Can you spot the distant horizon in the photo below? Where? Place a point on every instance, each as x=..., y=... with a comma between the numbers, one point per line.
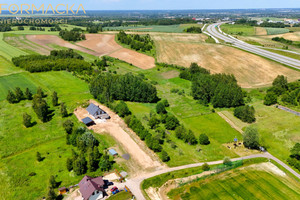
x=167, y=4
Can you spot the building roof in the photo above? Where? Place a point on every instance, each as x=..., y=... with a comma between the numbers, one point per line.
x=93, y=109
x=88, y=185
x=112, y=152
x=62, y=188
x=87, y=120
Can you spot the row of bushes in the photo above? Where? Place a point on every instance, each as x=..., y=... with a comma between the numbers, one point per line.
x=56, y=61
x=136, y=42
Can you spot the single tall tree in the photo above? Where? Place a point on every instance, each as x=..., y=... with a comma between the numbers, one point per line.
x=251, y=138
x=28, y=94
x=11, y=97
x=27, y=120
x=54, y=99
x=19, y=94
x=63, y=110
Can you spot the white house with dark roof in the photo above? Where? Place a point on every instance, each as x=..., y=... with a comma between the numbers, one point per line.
x=97, y=112
x=91, y=188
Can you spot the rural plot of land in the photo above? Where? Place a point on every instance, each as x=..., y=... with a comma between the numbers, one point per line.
x=97, y=45
x=45, y=40
x=257, y=181
x=143, y=158
x=250, y=70
x=105, y=44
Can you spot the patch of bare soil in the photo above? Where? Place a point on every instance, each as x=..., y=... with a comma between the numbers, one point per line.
x=260, y=31
x=170, y=74
x=105, y=44
x=250, y=70
x=142, y=158
x=21, y=43
x=161, y=193
x=45, y=40
x=289, y=36
x=137, y=59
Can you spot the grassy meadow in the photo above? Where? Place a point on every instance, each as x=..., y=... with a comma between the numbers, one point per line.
x=18, y=145
x=152, y=28
x=249, y=182
x=238, y=29
x=194, y=116
x=278, y=129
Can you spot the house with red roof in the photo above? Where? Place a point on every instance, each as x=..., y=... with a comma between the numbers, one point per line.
x=91, y=188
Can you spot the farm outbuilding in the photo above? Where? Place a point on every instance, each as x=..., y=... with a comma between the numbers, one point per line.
x=88, y=121
x=63, y=190
x=112, y=152
x=97, y=112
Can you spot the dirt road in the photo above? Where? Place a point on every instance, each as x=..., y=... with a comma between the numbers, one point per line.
x=142, y=158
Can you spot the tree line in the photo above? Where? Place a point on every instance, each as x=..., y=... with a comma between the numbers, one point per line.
x=285, y=41
x=264, y=24
x=136, y=42
x=193, y=29
x=56, y=61
x=89, y=157
x=294, y=159
x=221, y=90
x=281, y=90
x=72, y=35
x=107, y=87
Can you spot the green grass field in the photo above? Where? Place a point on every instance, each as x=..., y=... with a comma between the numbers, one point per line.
x=18, y=145
x=121, y=196
x=236, y=29
x=279, y=130
x=153, y=28
x=8, y=51
x=240, y=183
x=276, y=31
x=192, y=115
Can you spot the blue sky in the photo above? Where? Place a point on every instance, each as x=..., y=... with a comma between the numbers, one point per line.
x=165, y=4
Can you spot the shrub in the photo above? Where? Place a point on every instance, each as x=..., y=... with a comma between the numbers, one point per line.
x=171, y=122
x=203, y=139
x=160, y=108
x=164, y=156
x=245, y=113
x=27, y=120
x=227, y=161
x=251, y=138
x=270, y=99
x=205, y=167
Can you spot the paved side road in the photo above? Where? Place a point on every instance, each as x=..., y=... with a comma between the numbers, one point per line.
x=214, y=30
x=134, y=184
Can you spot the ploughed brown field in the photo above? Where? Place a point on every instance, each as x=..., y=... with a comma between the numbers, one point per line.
x=98, y=45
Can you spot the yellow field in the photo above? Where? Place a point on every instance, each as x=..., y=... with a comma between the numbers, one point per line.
x=250, y=70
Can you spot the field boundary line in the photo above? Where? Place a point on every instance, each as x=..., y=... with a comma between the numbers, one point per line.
x=231, y=123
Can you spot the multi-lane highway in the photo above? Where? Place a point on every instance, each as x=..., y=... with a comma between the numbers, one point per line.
x=214, y=30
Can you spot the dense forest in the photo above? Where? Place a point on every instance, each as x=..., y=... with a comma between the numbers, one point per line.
x=221, y=90
x=136, y=42
x=108, y=87
x=56, y=61
x=73, y=35
x=288, y=93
